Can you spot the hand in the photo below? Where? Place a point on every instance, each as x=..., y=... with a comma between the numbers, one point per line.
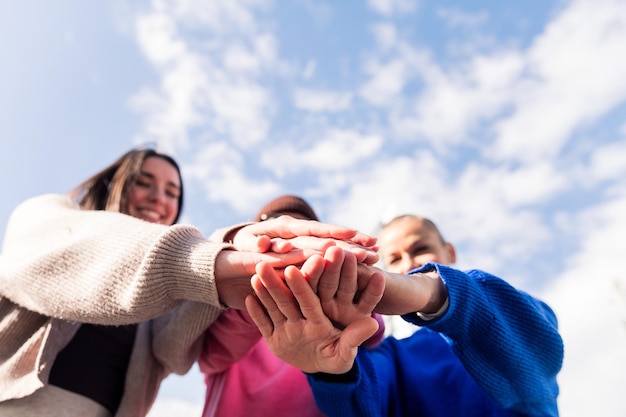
x=233, y=270
x=290, y=318
x=285, y=233
x=338, y=290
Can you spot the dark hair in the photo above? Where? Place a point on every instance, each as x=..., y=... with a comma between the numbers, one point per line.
x=106, y=190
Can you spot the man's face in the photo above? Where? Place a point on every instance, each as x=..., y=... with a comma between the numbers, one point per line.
x=410, y=243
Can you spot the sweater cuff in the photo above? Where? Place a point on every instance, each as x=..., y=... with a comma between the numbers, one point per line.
x=351, y=376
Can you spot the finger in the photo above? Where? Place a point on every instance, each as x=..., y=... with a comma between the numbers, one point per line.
x=259, y=316
x=347, y=281
x=288, y=227
x=312, y=270
x=281, y=260
x=366, y=255
x=309, y=303
x=281, y=245
x=372, y=294
x=268, y=303
x=364, y=240
x=312, y=242
x=357, y=333
x=329, y=281
x=278, y=290
x=254, y=244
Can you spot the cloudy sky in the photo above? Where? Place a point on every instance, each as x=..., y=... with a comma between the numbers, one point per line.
x=504, y=123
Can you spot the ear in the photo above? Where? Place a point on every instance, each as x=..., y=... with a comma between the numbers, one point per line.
x=451, y=253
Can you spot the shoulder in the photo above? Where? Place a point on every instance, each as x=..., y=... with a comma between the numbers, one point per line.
x=47, y=201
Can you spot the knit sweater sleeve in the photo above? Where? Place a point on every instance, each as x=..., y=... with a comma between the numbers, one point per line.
x=507, y=340
x=102, y=267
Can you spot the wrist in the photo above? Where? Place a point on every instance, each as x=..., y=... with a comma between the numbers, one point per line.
x=232, y=280
x=439, y=295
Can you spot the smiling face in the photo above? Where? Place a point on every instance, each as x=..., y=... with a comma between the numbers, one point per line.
x=410, y=242
x=154, y=193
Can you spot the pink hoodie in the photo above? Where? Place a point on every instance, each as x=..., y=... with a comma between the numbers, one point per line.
x=244, y=377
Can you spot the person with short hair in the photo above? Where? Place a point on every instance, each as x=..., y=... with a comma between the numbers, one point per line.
x=484, y=348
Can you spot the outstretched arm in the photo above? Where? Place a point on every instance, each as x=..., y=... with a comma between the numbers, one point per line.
x=290, y=317
x=286, y=233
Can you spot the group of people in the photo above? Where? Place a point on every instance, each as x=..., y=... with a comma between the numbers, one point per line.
x=103, y=295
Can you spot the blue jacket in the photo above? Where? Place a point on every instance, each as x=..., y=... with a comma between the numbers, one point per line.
x=496, y=351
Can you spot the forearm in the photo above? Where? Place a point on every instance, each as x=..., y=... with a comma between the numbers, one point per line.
x=419, y=292
x=102, y=267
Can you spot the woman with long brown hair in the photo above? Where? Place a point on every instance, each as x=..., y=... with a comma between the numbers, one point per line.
x=102, y=295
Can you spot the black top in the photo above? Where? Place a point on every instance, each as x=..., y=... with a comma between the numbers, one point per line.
x=94, y=363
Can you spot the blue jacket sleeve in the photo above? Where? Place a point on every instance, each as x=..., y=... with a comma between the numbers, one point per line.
x=507, y=340
x=496, y=351
x=349, y=394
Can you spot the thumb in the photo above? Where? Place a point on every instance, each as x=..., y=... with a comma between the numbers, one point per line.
x=358, y=332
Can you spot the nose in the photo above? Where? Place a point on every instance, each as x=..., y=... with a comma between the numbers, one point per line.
x=157, y=194
x=409, y=263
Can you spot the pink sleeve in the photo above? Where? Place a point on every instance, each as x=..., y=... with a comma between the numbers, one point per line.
x=227, y=340
x=377, y=337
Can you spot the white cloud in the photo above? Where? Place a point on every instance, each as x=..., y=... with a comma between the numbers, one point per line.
x=337, y=149
x=158, y=36
x=532, y=99
x=456, y=17
x=386, y=83
x=575, y=73
x=385, y=35
x=220, y=170
x=493, y=213
x=528, y=185
x=386, y=187
x=321, y=11
x=608, y=162
x=449, y=103
x=213, y=86
x=322, y=100
x=390, y=7
x=453, y=104
x=590, y=302
x=220, y=16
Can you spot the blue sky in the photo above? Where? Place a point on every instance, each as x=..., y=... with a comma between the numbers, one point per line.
x=502, y=121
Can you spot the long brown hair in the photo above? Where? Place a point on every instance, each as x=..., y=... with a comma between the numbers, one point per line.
x=106, y=190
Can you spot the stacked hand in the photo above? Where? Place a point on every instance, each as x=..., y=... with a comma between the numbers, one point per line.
x=316, y=333
x=285, y=234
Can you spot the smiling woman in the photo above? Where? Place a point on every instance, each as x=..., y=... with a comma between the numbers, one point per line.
x=155, y=192
x=143, y=183
x=102, y=296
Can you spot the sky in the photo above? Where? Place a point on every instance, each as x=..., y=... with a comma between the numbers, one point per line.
x=504, y=122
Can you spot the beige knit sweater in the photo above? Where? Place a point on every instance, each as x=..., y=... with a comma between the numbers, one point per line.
x=61, y=266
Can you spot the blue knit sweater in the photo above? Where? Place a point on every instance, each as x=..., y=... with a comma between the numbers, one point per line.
x=495, y=352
